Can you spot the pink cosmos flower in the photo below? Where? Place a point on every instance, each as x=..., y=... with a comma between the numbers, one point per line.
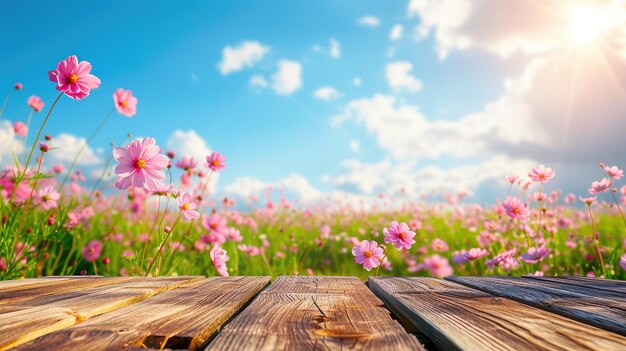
x=219, y=258
x=476, y=253
x=48, y=197
x=187, y=206
x=20, y=129
x=511, y=179
x=600, y=186
x=140, y=164
x=92, y=251
x=368, y=254
x=399, y=235
x=541, y=174
x=215, y=223
x=588, y=200
x=516, y=209
x=35, y=103
x=439, y=245
x=187, y=163
x=216, y=161
x=125, y=102
x=438, y=266
x=622, y=262
x=614, y=172
x=74, y=78
x=74, y=219
x=535, y=255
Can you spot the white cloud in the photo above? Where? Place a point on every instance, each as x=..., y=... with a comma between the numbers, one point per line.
x=244, y=55
x=326, y=93
x=369, y=20
x=10, y=144
x=294, y=186
x=335, y=48
x=399, y=77
x=258, y=80
x=67, y=146
x=288, y=78
x=355, y=145
x=357, y=81
x=188, y=143
x=396, y=32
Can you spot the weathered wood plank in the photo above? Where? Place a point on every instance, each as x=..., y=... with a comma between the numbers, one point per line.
x=25, y=324
x=183, y=318
x=616, y=286
x=604, y=311
x=455, y=317
x=7, y=284
x=314, y=313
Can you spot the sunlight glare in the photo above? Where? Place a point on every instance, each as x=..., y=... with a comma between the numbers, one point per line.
x=587, y=22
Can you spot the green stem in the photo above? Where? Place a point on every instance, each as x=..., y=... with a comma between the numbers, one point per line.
x=595, y=241
x=156, y=257
x=380, y=263
x=30, y=116
x=32, y=149
x=145, y=246
x=6, y=100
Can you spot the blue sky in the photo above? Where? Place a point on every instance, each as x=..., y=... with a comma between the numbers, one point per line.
x=169, y=55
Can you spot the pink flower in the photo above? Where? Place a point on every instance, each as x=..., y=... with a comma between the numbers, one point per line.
x=535, y=255
x=73, y=78
x=74, y=219
x=48, y=197
x=368, y=254
x=187, y=206
x=20, y=129
x=601, y=186
x=35, y=103
x=140, y=164
x=541, y=174
x=476, y=253
x=614, y=172
x=125, y=102
x=92, y=251
x=516, y=209
x=511, y=179
x=18, y=86
x=622, y=262
x=215, y=223
x=588, y=200
x=187, y=163
x=438, y=266
x=399, y=235
x=219, y=258
x=216, y=162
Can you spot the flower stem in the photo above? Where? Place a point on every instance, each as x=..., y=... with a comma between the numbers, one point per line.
x=32, y=149
x=380, y=263
x=6, y=100
x=145, y=246
x=267, y=263
x=618, y=207
x=30, y=116
x=156, y=257
x=595, y=241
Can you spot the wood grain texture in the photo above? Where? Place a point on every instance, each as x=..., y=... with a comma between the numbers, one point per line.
x=314, y=313
x=27, y=323
x=616, y=286
x=183, y=318
x=605, y=309
x=455, y=317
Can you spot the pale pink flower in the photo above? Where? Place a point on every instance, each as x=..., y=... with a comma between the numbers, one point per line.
x=140, y=164
x=438, y=266
x=20, y=129
x=74, y=78
x=516, y=209
x=439, y=245
x=187, y=163
x=535, y=255
x=125, y=102
x=35, y=103
x=187, y=206
x=215, y=224
x=73, y=220
x=541, y=174
x=600, y=186
x=368, y=254
x=476, y=253
x=399, y=235
x=511, y=179
x=588, y=200
x=622, y=262
x=614, y=172
x=216, y=161
x=92, y=251
x=219, y=257
x=48, y=197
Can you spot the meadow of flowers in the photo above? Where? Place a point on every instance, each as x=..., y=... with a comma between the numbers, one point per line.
x=148, y=223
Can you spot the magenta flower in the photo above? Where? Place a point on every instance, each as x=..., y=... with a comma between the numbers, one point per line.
x=125, y=102
x=20, y=129
x=215, y=223
x=216, y=162
x=399, y=235
x=48, y=197
x=18, y=86
x=187, y=206
x=219, y=257
x=535, y=255
x=516, y=209
x=614, y=172
x=74, y=78
x=541, y=174
x=438, y=266
x=187, y=163
x=35, y=103
x=622, y=262
x=140, y=164
x=476, y=253
x=600, y=186
x=92, y=251
x=368, y=254
x=588, y=200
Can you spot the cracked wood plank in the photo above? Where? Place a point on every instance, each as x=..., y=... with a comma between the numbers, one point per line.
x=314, y=313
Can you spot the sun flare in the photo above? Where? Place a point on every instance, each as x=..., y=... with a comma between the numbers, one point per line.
x=587, y=22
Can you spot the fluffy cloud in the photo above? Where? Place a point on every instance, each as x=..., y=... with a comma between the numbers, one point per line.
x=10, y=144
x=326, y=93
x=335, y=48
x=67, y=146
x=295, y=186
x=396, y=32
x=369, y=20
x=188, y=143
x=399, y=77
x=258, y=80
x=244, y=55
x=288, y=78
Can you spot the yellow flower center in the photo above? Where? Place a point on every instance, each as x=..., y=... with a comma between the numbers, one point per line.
x=123, y=103
x=141, y=163
x=367, y=254
x=185, y=207
x=216, y=162
x=45, y=198
x=73, y=78
x=516, y=211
